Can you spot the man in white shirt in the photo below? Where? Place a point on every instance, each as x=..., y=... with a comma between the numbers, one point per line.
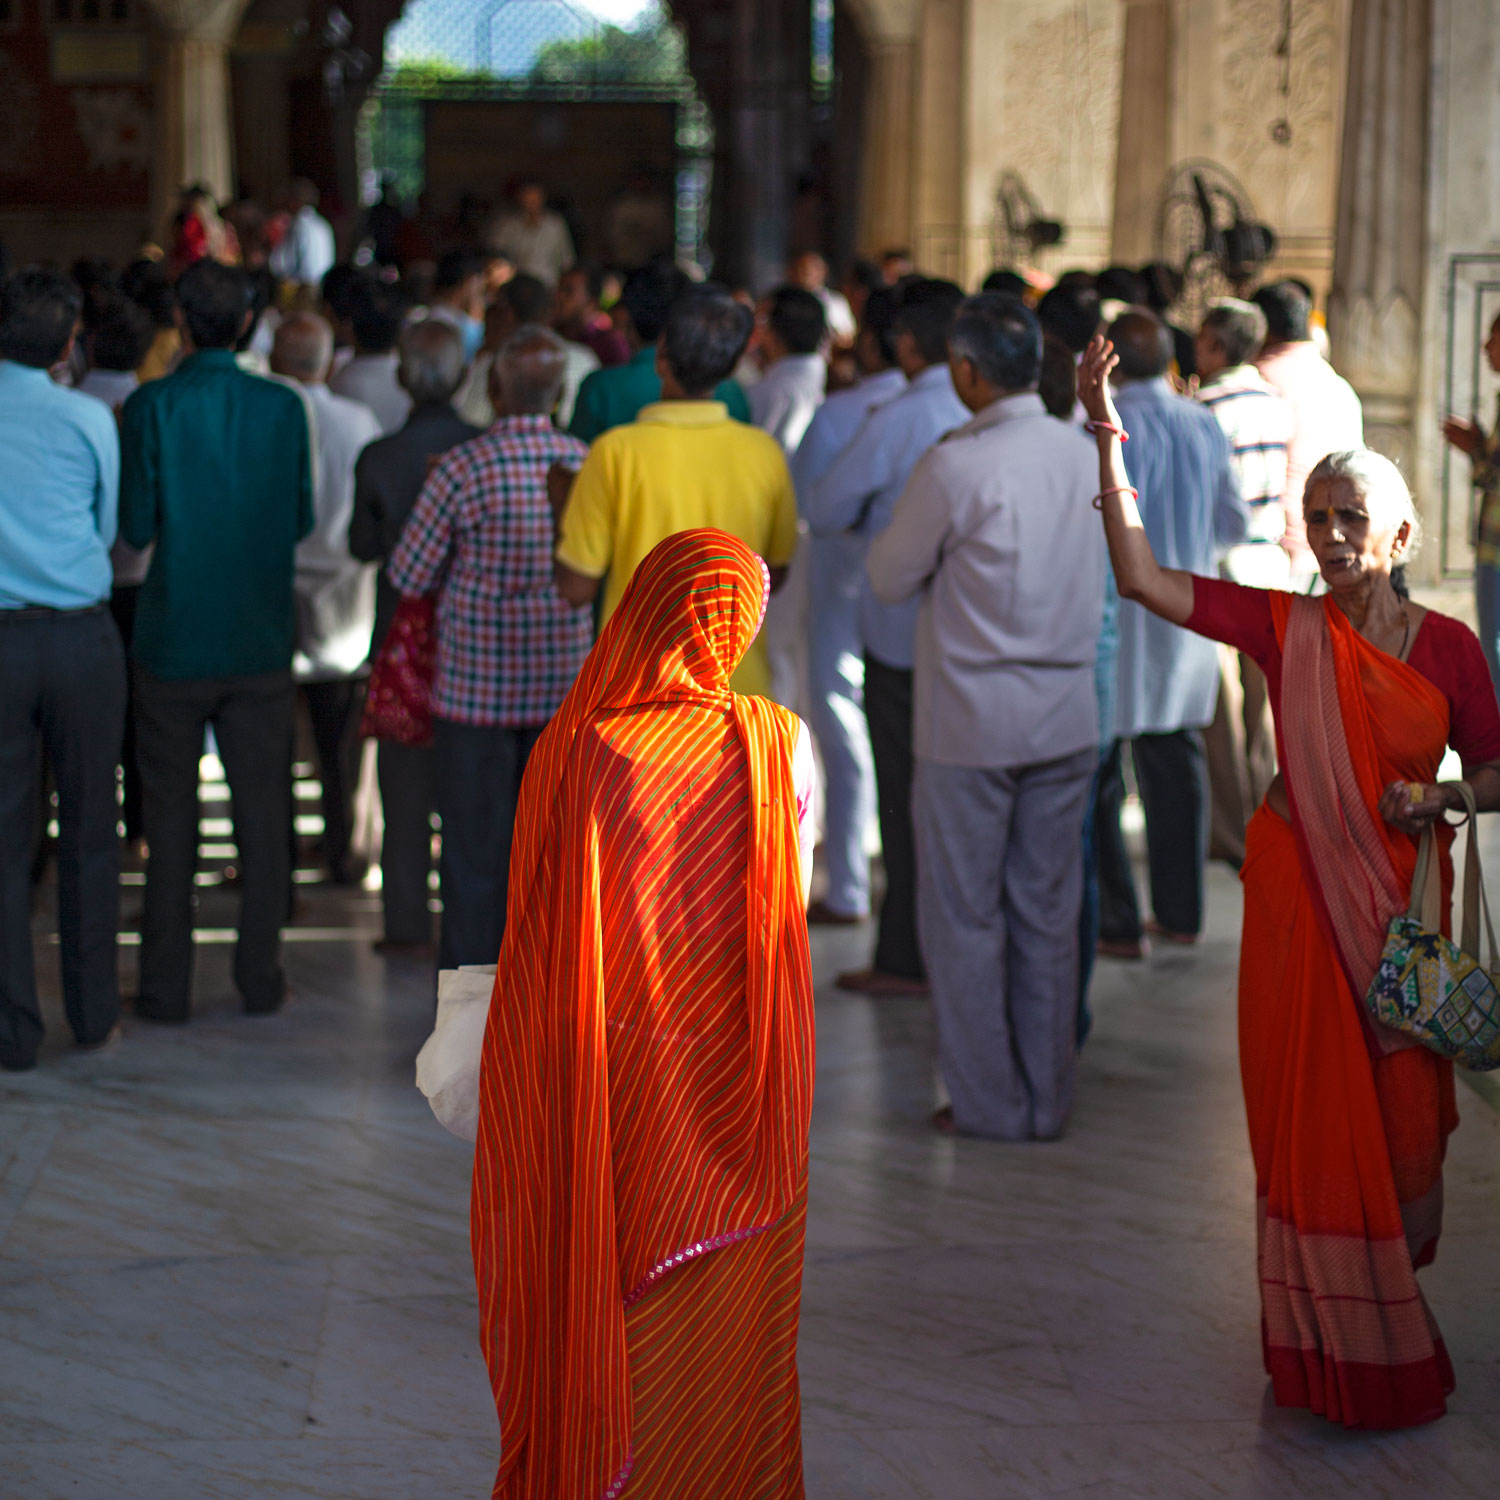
x=334, y=591
x=859, y=493
x=835, y=569
x=377, y=314
x=782, y=403
x=996, y=534
x=810, y=271
x=785, y=398
x=1241, y=742
x=535, y=239
x=1326, y=412
x=306, y=252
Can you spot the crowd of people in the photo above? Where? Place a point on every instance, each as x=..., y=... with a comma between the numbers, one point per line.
x=647, y=506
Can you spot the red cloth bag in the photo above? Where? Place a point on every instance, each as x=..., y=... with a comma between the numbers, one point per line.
x=398, y=700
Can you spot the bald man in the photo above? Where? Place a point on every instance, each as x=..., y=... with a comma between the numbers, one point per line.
x=509, y=645
x=1167, y=678
x=335, y=591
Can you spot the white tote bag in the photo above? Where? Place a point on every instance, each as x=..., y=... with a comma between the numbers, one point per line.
x=448, y=1064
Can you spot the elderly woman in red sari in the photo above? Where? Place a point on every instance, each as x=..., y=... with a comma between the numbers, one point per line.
x=640, y=1178
x=1348, y=1120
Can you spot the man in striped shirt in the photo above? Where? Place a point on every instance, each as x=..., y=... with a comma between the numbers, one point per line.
x=1240, y=743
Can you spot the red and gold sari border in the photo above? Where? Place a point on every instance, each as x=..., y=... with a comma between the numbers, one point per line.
x=691, y=1253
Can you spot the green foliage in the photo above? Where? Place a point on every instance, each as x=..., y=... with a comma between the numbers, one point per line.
x=652, y=53
x=419, y=74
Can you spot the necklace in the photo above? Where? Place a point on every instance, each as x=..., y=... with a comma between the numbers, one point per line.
x=1405, y=633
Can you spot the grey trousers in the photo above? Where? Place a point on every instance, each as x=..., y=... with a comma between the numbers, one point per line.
x=999, y=887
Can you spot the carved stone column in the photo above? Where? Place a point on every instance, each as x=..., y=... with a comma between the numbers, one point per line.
x=194, y=140
x=1145, y=149
x=885, y=218
x=1379, y=258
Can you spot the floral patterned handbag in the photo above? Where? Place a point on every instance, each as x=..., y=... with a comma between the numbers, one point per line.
x=1434, y=991
x=398, y=700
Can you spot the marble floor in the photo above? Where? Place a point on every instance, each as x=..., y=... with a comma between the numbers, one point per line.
x=234, y=1261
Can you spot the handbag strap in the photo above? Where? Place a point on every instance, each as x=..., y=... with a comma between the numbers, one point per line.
x=1476, y=900
x=1475, y=897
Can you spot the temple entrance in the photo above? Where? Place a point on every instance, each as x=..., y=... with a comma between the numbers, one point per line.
x=595, y=101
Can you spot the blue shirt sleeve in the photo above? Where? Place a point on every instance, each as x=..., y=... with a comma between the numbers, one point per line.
x=839, y=501
x=104, y=438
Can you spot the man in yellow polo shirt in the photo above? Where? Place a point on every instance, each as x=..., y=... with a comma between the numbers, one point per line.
x=682, y=463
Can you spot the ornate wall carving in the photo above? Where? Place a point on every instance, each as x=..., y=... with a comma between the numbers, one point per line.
x=1044, y=88
x=1283, y=145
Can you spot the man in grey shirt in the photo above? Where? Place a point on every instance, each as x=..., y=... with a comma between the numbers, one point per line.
x=996, y=534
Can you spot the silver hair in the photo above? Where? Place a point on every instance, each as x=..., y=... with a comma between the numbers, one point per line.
x=431, y=361
x=529, y=369
x=1375, y=478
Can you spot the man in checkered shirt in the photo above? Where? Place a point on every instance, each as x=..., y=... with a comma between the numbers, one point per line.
x=1257, y=420
x=481, y=538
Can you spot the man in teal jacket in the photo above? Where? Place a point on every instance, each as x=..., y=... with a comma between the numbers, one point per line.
x=217, y=475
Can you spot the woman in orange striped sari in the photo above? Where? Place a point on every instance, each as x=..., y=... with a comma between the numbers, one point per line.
x=1348, y=1121
x=640, y=1176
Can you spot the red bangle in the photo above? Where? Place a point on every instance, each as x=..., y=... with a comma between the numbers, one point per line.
x=1116, y=489
x=1098, y=427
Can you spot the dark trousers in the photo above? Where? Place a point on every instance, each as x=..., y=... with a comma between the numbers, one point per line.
x=888, y=708
x=1173, y=782
x=122, y=606
x=406, y=802
x=334, y=708
x=62, y=687
x=252, y=723
x=479, y=768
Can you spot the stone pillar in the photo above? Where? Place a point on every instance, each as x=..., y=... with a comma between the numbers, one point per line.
x=885, y=218
x=938, y=140
x=1145, y=141
x=194, y=140
x=1379, y=257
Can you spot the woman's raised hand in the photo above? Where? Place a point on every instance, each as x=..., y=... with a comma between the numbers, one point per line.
x=1093, y=381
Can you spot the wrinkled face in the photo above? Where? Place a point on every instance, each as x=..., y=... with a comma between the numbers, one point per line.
x=1353, y=538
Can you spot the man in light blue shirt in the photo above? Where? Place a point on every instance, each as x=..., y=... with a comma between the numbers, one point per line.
x=859, y=494
x=1167, y=679
x=836, y=570
x=62, y=668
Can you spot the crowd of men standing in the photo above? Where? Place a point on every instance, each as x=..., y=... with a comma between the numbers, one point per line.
x=245, y=480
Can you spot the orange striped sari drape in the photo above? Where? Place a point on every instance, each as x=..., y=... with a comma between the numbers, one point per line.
x=646, y=1084
x=1348, y=1127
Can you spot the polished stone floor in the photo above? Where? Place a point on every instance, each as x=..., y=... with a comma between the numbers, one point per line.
x=234, y=1261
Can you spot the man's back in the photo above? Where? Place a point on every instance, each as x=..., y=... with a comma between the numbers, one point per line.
x=1326, y=418
x=1179, y=460
x=680, y=465
x=57, y=492
x=1178, y=457
x=997, y=520
x=388, y=477
x=217, y=472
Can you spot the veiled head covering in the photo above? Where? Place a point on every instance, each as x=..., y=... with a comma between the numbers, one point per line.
x=692, y=1098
